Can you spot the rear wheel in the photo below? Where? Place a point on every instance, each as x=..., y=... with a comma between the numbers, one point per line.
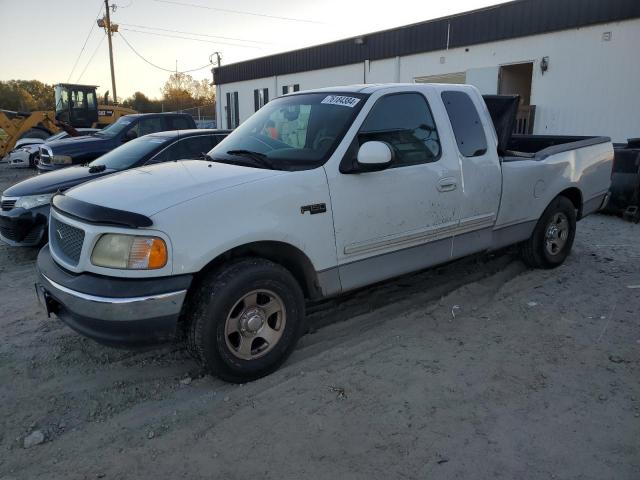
x=245, y=319
x=552, y=239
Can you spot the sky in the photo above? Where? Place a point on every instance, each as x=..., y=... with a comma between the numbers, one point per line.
x=43, y=39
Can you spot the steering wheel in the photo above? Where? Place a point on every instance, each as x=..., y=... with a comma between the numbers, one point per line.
x=271, y=143
x=317, y=143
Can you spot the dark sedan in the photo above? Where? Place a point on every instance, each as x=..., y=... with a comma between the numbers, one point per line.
x=24, y=211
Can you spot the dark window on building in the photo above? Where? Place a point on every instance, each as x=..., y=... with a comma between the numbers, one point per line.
x=233, y=110
x=466, y=123
x=260, y=98
x=290, y=88
x=404, y=121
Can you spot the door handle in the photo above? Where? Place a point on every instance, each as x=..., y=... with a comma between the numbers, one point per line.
x=447, y=184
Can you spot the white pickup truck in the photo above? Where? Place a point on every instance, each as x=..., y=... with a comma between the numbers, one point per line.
x=318, y=193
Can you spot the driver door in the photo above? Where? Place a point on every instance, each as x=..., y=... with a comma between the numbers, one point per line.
x=401, y=219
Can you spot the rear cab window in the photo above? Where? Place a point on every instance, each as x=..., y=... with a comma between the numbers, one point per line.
x=179, y=123
x=148, y=125
x=465, y=121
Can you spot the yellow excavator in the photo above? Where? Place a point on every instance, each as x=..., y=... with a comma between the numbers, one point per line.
x=76, y=107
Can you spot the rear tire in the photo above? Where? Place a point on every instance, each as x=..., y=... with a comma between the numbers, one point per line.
x=245, y=319
x=552, y=239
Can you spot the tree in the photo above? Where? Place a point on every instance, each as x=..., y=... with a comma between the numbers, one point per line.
x=26, y=95
x=143, y=104
x=203, y=92
x=181, y=92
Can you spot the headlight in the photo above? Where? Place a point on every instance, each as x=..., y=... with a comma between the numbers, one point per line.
x=130, y=252
x=62, y=160
x=32, y=201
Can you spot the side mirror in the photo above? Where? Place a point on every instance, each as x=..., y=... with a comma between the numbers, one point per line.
x=130, y=135
x=374, y=156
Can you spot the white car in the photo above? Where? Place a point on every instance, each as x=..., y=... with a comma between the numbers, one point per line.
x=318, y=193
x=26, y=150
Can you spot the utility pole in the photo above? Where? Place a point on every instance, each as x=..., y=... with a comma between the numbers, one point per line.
x=218, y=109
x=109, y=34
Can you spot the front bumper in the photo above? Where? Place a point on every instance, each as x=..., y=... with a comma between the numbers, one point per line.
x=18, y=159
x=49, y=167
x=113, y=311
x=24, y=228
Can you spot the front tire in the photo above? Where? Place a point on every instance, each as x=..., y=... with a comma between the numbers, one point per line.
x=552, y=239
x=245, y=319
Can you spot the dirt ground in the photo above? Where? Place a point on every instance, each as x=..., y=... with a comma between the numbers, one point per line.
x=479, y=369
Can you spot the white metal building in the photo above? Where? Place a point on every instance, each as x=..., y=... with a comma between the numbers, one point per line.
x=575, y=64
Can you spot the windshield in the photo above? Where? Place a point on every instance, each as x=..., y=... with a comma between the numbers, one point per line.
x=130, y=153
x=293, y=132
x=115, y=128
x=58, y=136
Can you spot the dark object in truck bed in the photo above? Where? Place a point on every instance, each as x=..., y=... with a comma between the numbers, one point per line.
x=625, y=178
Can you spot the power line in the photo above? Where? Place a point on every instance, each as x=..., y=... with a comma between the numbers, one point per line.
x=90, y=59
x=239, y=12
x=93, y=25
x=192, y=33
x=156, y=66
x=189, y=38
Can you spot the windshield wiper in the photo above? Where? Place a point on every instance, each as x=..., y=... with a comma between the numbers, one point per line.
x=97, y=168
x=259, y=158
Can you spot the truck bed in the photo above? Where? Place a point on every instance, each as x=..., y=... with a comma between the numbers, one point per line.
x=540, y=147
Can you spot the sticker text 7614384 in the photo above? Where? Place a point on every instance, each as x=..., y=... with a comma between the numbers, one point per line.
x=340, y=100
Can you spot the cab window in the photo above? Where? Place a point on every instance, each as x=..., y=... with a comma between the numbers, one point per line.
x=466, y=124
x=91, y=99
x=146, y=126
x=404, y=121
x=178, y=123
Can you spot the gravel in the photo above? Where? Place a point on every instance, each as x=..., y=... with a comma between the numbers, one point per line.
x=394, y=386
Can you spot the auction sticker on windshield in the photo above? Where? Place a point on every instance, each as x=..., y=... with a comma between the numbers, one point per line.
x=341, y=100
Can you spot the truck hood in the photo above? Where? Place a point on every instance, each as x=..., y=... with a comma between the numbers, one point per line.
x=23, y=142
x=151, y=189
x=51, y=182
x=72, y=145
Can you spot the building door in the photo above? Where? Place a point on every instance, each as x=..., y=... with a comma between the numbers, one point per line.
x=516, y=79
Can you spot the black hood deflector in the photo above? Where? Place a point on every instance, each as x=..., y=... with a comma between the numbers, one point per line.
x=98, y=214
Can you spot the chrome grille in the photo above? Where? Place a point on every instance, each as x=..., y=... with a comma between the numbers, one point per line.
x=66, y=241
x=8, y=230
x=8, y=203
x=45, y=156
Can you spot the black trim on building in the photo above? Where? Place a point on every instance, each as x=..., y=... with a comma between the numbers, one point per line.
x=515, y=19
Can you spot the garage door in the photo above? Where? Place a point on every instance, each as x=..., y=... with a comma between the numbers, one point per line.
x=457, y=78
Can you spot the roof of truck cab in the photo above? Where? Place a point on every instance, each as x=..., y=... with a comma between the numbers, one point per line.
x=157, y=114
x=371, y=88
x=188, y=132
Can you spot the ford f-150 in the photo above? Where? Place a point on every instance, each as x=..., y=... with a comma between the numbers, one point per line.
x=318, y=193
